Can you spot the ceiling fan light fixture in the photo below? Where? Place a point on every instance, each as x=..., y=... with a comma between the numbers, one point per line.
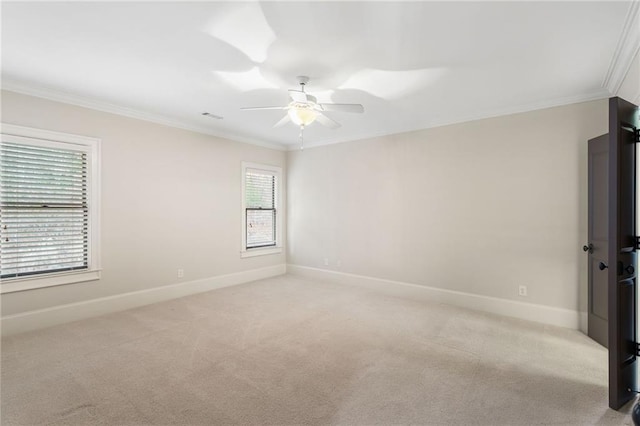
x=304, y=109
x=302, y=115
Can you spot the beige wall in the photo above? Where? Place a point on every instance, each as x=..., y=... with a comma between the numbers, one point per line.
x=479, y=207
x=170, y=199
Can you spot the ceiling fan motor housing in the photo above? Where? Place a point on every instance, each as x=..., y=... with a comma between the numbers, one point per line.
x=302, y=80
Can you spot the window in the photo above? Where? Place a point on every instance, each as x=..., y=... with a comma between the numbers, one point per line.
x=48, y=208
x=261, y=228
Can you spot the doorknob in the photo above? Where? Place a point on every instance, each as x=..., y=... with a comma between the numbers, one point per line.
x=602, y=266
x=588, y=248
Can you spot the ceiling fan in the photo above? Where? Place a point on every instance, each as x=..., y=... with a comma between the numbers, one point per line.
x=303, y=109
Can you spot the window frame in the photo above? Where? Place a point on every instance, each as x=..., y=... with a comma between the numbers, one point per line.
x=260, y=251
x=91, y=146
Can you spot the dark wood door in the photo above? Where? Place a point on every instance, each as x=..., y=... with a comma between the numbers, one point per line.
x=598, y=246
x=623, y=365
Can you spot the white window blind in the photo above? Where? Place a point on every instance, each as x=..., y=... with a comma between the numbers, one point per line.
x=44, y=210
x=260, y=208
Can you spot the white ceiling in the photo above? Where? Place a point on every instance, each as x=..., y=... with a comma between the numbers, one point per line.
x=412, y=65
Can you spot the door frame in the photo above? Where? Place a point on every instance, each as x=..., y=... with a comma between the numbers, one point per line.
x=623, y=360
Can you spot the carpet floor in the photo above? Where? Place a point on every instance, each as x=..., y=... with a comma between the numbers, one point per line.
x=289, y=350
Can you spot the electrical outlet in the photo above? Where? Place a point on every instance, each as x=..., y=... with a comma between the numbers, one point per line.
x=522, y=290
x=339, y=263
x=180, y=273
x=326, y=261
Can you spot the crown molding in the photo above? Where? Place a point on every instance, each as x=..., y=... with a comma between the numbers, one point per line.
x=91, y=103
x=492, y=113
x=94, y=104
x=626, y=50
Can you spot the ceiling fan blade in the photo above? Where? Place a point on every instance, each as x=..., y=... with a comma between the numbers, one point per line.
x=264, y=107
x=343, y=107
x=326, y=121
x=283, y=121
x=297, y=95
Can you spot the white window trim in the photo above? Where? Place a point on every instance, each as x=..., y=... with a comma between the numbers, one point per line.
x=47, y=138
x=260, y=251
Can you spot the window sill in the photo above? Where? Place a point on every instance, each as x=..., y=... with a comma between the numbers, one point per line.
x=10, y=285
x=260, y=251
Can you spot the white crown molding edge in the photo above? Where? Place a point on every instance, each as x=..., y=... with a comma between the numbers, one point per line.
x=510, y=308
x=59, y=96
x=48, y=317
x=627, y=48
x=500, y=112
x=90, y=103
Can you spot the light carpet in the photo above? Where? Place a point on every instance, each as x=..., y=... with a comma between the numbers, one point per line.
x=289, y=350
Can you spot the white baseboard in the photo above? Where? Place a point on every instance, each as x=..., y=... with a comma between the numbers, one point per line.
x=511, y=308
x=33, y=320
x=583, y=322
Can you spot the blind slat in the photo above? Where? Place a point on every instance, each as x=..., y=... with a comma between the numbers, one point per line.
x=44, y=177
x=54, y=263
x=20, y=163
x=40, y=159
x=21, y=261
x=75, y=248
x=29, y=197
x=38, y=150
x=44, y=184
x=8, y=241
x=22, y=187
x=50, y=225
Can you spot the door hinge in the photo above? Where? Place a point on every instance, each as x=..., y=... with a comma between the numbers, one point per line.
x=636, y=132
x=637, y=349
x=637, y=243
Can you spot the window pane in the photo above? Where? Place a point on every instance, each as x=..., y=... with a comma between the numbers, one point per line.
x=260, y=190
x=260, y=202
x=44, y=216
x=261, y=228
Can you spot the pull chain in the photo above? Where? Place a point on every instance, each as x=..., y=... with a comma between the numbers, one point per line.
x=301, y=137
